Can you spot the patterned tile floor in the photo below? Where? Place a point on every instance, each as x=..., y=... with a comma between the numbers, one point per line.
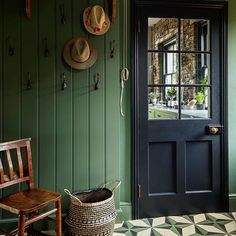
x=213, y=224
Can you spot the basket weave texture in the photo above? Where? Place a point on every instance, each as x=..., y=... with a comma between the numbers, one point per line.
x=93, y=215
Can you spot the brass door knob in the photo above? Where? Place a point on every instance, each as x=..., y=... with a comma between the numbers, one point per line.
x=213, y=130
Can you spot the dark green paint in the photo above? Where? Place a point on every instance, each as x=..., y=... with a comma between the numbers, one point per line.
x=232, y=103
x=76, y=132
x=63, y=104
x=47, y=94
x=29, y=76
x=80, y=111
x=97, y=112
x=1, y=78
x=12, y=97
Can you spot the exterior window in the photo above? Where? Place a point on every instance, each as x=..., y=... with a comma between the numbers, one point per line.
x=169, y=64
x=179, y=72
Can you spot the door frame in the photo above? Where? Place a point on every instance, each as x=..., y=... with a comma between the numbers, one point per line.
x=210, y=4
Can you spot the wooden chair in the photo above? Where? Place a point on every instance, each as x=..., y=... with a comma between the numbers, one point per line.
x=25, y=203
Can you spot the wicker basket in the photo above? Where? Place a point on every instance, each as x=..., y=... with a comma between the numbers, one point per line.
x=92, y=213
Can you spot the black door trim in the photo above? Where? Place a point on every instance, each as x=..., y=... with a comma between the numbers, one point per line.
x=135, y=24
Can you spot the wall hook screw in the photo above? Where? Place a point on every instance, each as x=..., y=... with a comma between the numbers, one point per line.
x=97, y=81
x=28, y=84
x=64, y=83
x=11, y=49
x=112, y=48
x=62, y=12
x=45, y=46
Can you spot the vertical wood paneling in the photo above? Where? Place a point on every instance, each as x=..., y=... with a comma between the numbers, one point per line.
x=12, y=71
x=112, y=104
x=11, y=77
x=63, y=101
x=81, y=92
x=1, y=79
x=29, y=73
x=75, y=132
x=46, y=11
x=97, y=112
x=125, y=124
x=1, y=70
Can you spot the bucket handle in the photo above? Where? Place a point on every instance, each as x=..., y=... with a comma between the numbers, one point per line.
x=72, y=196
x=118, y=182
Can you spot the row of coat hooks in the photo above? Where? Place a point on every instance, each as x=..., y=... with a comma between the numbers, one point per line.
x=46, y=50
x=96, y=78
x=112, y=6
x=11, y=47
x=64, y=81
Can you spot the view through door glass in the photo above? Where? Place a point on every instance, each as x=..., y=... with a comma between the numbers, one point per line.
x=179, y=78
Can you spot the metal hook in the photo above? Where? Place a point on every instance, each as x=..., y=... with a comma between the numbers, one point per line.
x=112, y=48
x=64, y=83
x=97, y=81
x=11, y=49
x=28, y=84
x=62, y=12
x=45, y=46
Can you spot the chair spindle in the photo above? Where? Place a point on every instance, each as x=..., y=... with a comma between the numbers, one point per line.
x=10, y=165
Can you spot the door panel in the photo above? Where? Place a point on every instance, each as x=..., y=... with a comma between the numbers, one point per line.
x=156, y=153
x=199, y=158
x=179, y=77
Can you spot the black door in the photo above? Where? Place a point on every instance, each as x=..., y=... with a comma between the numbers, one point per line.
x=180, y=110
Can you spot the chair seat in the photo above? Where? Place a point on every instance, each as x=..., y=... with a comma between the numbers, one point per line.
x=28, y=201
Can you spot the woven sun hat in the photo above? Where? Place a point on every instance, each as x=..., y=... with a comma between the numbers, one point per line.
x=96, y=21
x=79, y=53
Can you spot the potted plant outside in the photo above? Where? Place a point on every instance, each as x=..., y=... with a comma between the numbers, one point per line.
x=200, y=97
x=152, y=98
x=171, y=92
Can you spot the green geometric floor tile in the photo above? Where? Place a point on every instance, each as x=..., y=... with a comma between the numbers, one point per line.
x=210, y=224
x=230, y=227
x=165, y=232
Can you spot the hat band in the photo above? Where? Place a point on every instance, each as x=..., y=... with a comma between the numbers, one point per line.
x=79, y=60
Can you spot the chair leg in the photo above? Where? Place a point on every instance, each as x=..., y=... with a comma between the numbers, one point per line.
x=58, y=218
x=21, y=225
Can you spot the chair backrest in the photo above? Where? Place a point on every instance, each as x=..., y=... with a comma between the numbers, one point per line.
x=19, y=150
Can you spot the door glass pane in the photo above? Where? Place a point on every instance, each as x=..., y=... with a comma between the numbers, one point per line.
x=163, y=68
x=195, y=35
x=196, y=103
x=195, y=68
x=161, y=33
x=163, y=103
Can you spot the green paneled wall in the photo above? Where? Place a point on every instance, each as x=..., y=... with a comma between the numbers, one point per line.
x=232, y=103
x=79, y=139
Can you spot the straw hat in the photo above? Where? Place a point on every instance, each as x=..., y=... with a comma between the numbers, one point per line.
x=96, y=21
x=192, y=102
x=79, y=53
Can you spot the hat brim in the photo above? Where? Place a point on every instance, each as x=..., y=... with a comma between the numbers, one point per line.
x=89, y=28
x=77, y=65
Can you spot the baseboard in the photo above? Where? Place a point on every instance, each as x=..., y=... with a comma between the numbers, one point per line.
x=126, y=208
x=232, y=202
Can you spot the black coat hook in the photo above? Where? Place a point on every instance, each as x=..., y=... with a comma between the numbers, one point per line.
x=62, y=13
x=112, y=48
x=45, y=47
x=28, y=84
x=11, y=48
x=97, y=81
x=64, y=83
